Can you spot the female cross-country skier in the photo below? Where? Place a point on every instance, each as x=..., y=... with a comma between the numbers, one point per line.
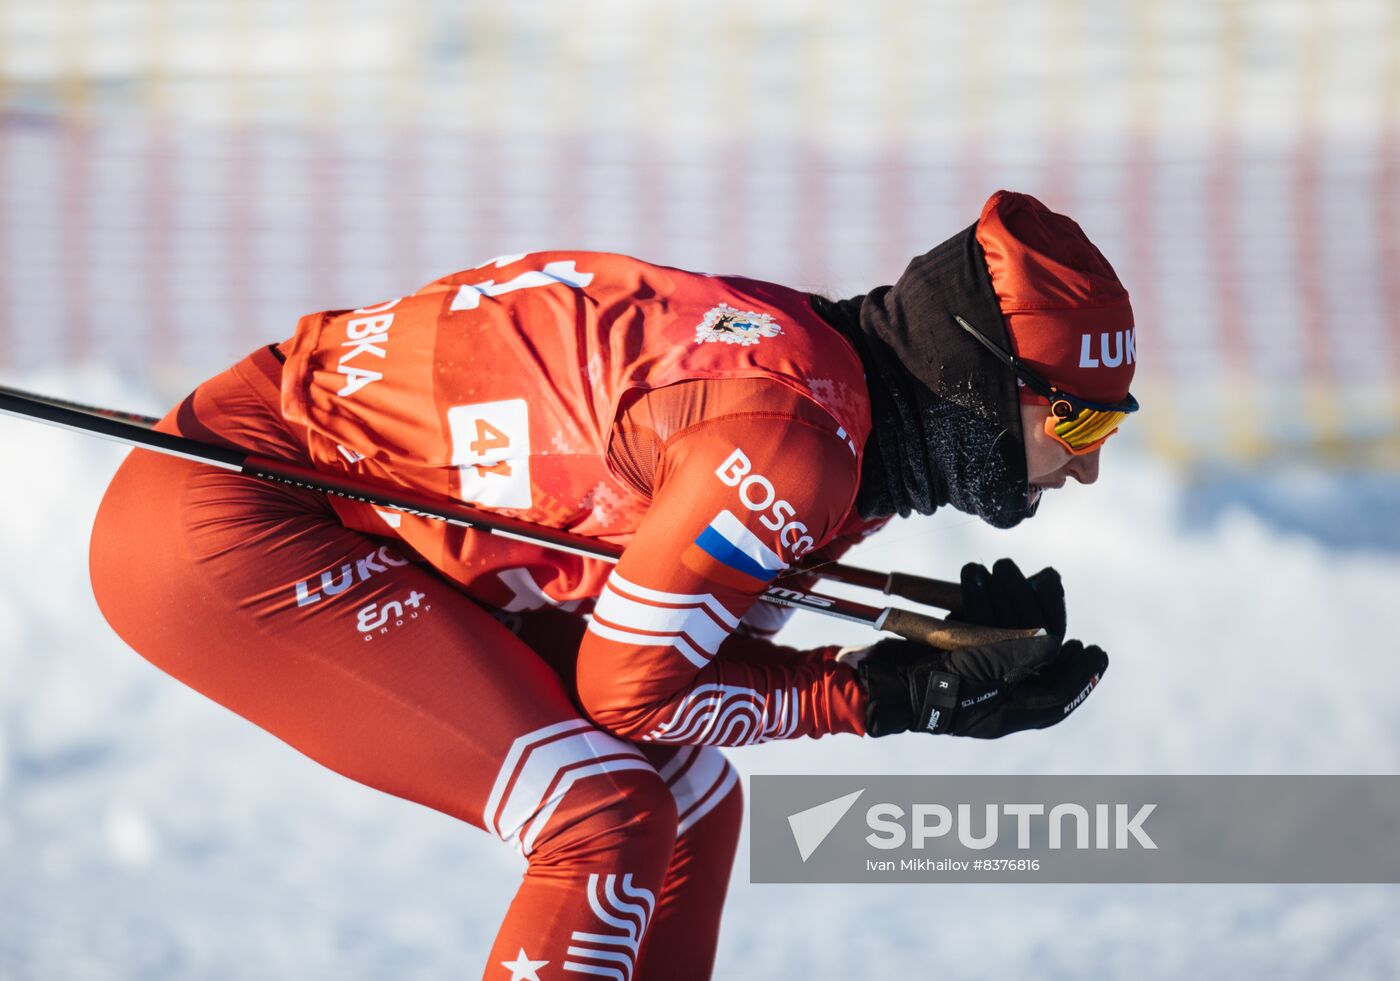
x=721, y=429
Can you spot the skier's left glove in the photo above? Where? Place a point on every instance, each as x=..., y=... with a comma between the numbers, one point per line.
x=986, y=692
x=1004, y=596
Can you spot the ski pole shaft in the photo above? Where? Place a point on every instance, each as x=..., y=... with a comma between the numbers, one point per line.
x=111, y=425
x=930, y=592
x=134, y=418
x=54, y=413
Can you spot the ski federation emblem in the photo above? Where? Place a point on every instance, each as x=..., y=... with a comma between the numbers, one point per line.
x=731, y=326
x=728, y=553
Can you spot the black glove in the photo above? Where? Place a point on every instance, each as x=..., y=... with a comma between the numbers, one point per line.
x=985, y=692
x=1004, y=597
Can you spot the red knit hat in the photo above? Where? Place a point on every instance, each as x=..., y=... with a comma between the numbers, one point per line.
x=1065, y=311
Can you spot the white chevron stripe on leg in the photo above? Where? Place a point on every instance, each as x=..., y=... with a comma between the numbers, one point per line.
x=699, y=777
x=539, y=770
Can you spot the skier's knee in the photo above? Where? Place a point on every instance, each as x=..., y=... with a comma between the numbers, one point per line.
x=585, y=798
x=629, y=820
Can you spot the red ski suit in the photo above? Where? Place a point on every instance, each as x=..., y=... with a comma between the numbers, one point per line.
x=712, y=425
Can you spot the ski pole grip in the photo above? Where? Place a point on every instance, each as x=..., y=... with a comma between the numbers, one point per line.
x=930, y=592
x=942, y=634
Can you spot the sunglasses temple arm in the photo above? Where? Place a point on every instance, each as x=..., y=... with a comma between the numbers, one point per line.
x=1032, y=380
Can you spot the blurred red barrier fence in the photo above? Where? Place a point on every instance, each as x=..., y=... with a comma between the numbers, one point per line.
x=179, y=182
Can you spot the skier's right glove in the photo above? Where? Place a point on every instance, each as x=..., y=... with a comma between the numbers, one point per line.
x=985, y=692
x=1003, y=596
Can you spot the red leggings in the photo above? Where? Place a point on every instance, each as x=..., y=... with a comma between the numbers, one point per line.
x=258, y=597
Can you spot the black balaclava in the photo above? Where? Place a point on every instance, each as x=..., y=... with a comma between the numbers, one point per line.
x=945, y=415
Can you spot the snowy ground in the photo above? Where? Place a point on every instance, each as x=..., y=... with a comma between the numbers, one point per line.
x=145, y=832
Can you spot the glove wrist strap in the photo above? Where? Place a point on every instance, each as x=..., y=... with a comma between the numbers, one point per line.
x=940, y=698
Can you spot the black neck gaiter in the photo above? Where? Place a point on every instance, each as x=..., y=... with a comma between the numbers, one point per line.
x=945, y=416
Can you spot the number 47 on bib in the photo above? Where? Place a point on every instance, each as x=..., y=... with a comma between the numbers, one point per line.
x=491, y=449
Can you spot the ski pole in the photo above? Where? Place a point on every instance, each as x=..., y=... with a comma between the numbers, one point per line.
x=929, y=592
x=920, y=589
x=135, y=418
x=115, y=426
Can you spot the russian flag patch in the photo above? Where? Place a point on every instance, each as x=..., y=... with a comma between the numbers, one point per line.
x=729, y=553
